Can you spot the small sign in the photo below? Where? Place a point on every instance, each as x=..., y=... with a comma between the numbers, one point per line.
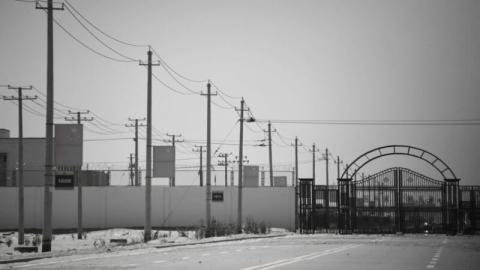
x=217, y=196
x=164, y=161
x=64, y=181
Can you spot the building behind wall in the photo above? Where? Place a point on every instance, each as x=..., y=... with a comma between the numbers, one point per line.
x=34, y=163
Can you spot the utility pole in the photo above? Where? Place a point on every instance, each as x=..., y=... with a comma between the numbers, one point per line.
x=21, y=207
x=136, y=125
x=338, y=162
x=296, y=145
x=313, y=184
x=131, y=169
x=173, y=141
x=293, y=176
x=49, y=124
x=313, y=150
x=297, y=190
x=79, y=120
x=270, y=151
x=326, y=167
x=199, y=148
x=79, y=117
x=225, y=164
x=148, y=176
x=240, y=167
x=327, y=192
x=209, y=157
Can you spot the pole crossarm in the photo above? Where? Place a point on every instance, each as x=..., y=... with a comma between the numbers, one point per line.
x=78, y=118
x=54, y=6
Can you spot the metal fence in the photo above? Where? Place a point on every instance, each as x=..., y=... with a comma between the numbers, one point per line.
x=394, y=200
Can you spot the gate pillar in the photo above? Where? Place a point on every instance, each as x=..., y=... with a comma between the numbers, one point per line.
x=344, y=203
x=451, y=204
x=306, y=205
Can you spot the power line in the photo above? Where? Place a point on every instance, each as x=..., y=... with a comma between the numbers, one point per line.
x=86, y=46
x=97, y=38
x=219, y=90
x=453, y=122
x=220, y=106
x=105, y=120
x=173, y=70
x=101, y=31
x=181, y=84
x=226, y=137
x=56, y=102
x=169, y=87
x=226, y=101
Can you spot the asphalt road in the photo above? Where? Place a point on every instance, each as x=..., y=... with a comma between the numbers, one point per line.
x=322, y=251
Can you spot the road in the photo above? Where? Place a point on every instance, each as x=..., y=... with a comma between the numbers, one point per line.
x=320, y=251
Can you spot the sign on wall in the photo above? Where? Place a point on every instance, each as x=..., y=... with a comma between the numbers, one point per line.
x=250, y=175
x=279, y=181
x=64, y=181
x=217, y=196
x=164, y=161
x=68, y=145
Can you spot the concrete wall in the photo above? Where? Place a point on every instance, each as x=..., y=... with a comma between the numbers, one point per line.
x=107, y=207
x=33, y=157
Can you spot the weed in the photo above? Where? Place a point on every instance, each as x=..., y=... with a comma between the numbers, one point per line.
x=256, y=228
x=37, y=240
x=99, y=243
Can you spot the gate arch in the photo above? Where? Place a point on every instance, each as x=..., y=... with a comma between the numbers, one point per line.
x=405, y=150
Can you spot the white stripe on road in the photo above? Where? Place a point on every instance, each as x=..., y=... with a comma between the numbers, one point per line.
x=159, y=261
x=128, y=265
x=306, y=257
x=436, y=256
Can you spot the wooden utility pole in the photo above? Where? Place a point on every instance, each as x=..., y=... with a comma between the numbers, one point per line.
x=136, y=125
x=225, y=164
x=49, y=124
x=21, y=201
x=148, y=175
x=79, y=120
x=326, y=168
x=297, y=190
x=209, y=157
x=173, y=141
x=313, y=150
x=199, y=148
x=313, y=182
x=240, y=167
x=270, y=164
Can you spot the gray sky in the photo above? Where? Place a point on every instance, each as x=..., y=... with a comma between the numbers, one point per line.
x=326, y=60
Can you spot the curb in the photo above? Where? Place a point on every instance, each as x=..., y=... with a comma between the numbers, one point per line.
x=57, y=255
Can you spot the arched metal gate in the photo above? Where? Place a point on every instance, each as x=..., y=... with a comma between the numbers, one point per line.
x=390, y=201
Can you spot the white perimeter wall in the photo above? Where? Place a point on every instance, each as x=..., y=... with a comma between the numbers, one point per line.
x=108, y=207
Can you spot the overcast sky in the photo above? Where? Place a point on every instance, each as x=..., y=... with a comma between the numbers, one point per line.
x=323, y=60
